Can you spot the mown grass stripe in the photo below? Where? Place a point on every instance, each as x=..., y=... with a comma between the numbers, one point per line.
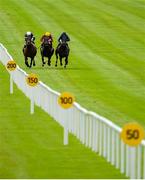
x=101, y=70
x=31, y=147
x=130, y=20
x=133, y=7
x=109, y=36
x=105, y=73
x=84, y=56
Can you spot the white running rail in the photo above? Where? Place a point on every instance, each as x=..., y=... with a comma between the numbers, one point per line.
x=94, y=131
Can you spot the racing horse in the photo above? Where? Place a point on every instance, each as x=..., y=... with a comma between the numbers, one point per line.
x=62, y=51
x=46, y=50
x=30, y=51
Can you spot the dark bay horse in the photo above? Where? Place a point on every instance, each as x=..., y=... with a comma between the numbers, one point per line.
x=30, y=51
x=63, y=51
x=46, y=50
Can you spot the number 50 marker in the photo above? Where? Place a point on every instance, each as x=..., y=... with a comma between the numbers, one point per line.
x=132, y=134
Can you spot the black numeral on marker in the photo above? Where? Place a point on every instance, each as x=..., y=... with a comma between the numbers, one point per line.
x=132, y=134
x=11, y=65
x=32, y=80
x=65, y=100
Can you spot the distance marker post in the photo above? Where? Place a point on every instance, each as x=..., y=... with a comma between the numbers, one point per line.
x=11, y=66
x=132, y=134
x=32, y=81
x=66, y=100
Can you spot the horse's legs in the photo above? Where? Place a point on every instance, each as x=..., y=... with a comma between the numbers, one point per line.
x=56, y=58
x=49, y=57
x=60, y=58
x=43, y=62
x=66, y=61
x=34, y=62
x=49, y=61
x=56, y=62
x=26, y=61
x=31, y=62
x=41, y=51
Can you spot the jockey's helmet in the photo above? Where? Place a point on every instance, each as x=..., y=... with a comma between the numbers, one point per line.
x=28, y=33
x=47, y=34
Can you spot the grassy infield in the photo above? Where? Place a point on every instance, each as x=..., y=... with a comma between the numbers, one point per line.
x=105, y=73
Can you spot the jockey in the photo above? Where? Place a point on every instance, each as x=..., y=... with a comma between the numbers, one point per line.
x=46, y=35
x=63, y=38
x=30, y=34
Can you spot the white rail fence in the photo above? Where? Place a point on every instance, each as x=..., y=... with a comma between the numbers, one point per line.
x=94, y=131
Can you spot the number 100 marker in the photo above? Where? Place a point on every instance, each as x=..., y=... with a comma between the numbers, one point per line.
x=66, y=100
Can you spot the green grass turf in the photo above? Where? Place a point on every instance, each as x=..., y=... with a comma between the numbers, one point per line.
x=31, y=146
x=106, y=69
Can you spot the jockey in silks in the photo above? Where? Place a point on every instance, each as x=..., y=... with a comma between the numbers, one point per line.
x=46, y=35
x=29, y=34
x=63, y=38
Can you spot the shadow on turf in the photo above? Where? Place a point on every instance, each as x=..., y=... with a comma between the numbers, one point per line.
x=57, y=68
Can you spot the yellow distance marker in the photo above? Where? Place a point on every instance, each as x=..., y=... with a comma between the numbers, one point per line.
x=132, y=134
x=11, y=65
x=66, y=100
x=32, y=80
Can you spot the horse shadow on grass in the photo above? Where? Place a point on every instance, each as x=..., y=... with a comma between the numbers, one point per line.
x=58, y=68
